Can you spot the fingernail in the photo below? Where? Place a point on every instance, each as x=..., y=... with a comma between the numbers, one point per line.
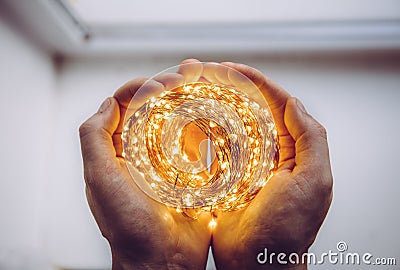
x=300, y=106
x=104, y=106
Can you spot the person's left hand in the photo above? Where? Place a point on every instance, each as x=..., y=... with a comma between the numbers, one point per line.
x=142, y=233
x=285, y=216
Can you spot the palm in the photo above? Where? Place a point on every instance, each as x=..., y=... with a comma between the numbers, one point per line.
x=277, y=219
x=286, y=214
x=283, y=217
x=138, y=227
x=126, y=215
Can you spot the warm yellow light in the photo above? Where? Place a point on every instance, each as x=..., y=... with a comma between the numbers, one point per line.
x=241, y=131
x=212, y=224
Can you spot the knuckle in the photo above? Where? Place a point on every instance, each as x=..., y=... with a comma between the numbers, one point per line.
x=140, y=81
x=321, y=131
x=85, y=129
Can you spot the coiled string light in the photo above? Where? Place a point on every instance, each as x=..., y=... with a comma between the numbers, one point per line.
x=242, y=146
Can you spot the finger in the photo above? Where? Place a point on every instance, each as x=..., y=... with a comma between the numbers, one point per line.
x=217, y=73
x=96, y=142
x=312, y=154
x=275, y=96
x=222, y=74
x=142, y=93
x=191, y=70
x=170, y=80
x=243, y=83
x=149, y=89
x=124, y=95
x=209, y=70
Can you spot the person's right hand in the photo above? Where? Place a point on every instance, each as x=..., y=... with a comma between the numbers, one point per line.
x=143, y=233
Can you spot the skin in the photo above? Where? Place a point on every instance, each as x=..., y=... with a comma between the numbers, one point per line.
x=143, y=234
x=288, y=212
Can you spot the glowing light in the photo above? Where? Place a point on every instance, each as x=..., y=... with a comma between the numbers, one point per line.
x=241, y=132
x=212, y=224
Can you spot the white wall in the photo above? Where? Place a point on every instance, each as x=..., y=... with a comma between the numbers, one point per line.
x=44, y=215
x=26, y=89
x=356, y=98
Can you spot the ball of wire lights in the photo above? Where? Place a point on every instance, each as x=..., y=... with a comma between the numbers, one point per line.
x=242, y=145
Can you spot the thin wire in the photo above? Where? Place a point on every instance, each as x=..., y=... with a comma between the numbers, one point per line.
x=242, y=133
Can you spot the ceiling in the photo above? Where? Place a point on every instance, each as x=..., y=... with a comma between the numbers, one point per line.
x=120, y=27
x=96, y=13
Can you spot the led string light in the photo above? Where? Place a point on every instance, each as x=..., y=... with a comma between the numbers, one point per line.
x=243, y=139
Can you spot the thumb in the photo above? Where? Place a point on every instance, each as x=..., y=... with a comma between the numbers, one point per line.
x=98, y=152
x=311, y=146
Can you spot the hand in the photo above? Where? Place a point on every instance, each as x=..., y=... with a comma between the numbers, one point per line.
x=275, y=219
x=142, y=233
x=287, y=213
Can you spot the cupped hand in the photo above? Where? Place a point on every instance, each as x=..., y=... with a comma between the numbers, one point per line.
x=287, y=213
x=142, y=233
x=284, y=217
